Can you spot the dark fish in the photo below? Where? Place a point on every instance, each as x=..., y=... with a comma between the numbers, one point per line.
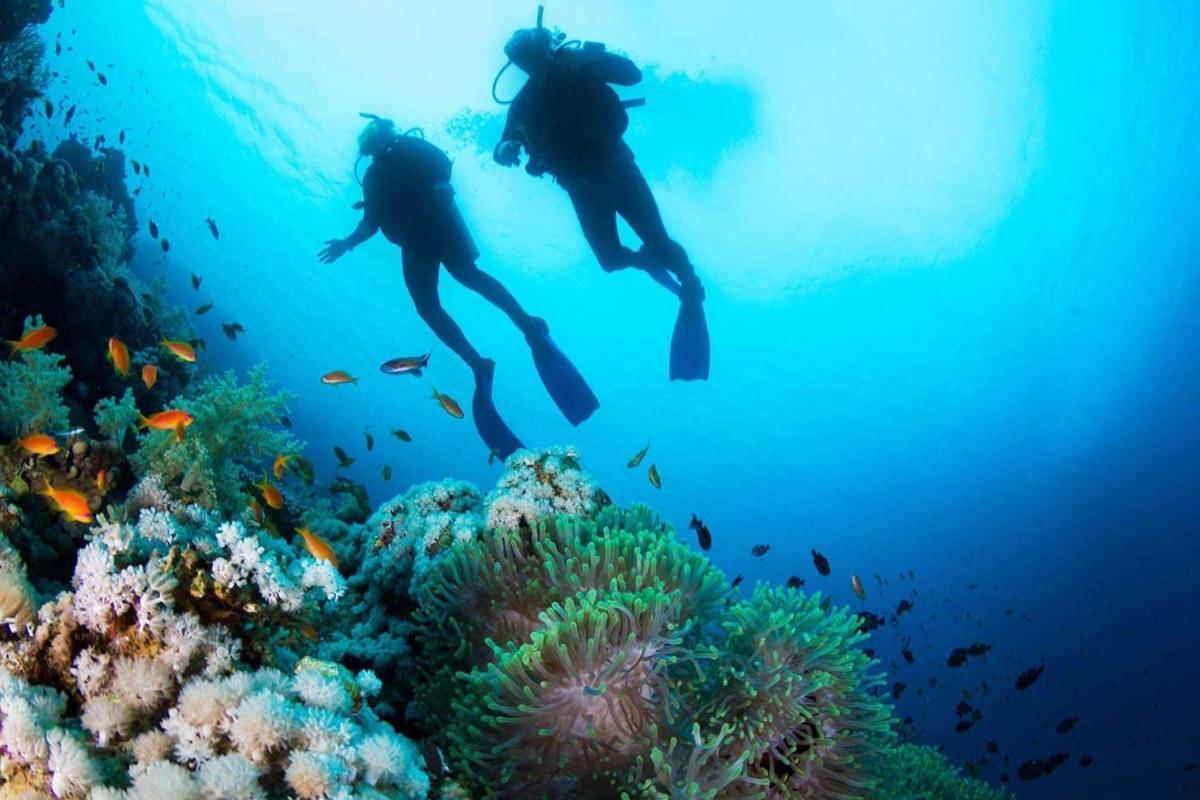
x=343, y=459
x=703, y=535
x=137, y=166
x=165, y=245
x=759, y=550
x=103, y=80
x=210, y=222
x=146, y=170
x=962, y=708
x=204, y=309
x=736, y=581
x=69, y=116
x=957, y=658
x=963, y=726
x=434, y=764
x=976, y=714
x=386, y=472
x=1031, y=769
x=91, y=66
x=655, y=480
x=821, y=563
x=285, y=422
x=405, y=365
x=868, y=621
x=401, y=434
x=153, y=227
x=49, y=109
x=196, y=281
x=359, y=206
x=58, y=48
x=121, y=137
x=826, y=603
x=898, y=689
x=1055, y=761
x=978, y=649
x=305, y=468
x=903, y=606
x=1066, y=725
x=370, y=441
x=795, y=582
x=638, y=456
x=100, y=140
x=993, y=746
x=232, y=329
x=1028, y=677
x=1085, y=761
x=908, y=656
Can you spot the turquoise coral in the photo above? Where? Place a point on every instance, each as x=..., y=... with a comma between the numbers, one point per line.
x=31, y=389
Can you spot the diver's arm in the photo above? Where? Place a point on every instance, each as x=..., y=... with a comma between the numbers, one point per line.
x=336, y=248
x=508, y=150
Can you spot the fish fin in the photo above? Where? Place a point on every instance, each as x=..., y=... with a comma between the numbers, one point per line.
x=415, y=372
x=143, y=422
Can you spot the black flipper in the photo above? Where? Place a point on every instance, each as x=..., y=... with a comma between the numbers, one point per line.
x=689, y=342
x=566, y=386
x=664, y=278
x=495, y=434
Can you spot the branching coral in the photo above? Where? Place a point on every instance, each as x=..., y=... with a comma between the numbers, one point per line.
x=234, y=435
x=540, y=484
x=31, y=391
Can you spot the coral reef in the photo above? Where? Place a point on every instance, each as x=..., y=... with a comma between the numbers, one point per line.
x=591, y=657
x=540, y=484
x=234, y=436
x=912, y=772
x=31, y=389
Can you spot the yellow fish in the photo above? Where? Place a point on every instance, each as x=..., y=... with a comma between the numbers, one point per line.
x=181, y=350
x=149, y=375
x=318, y=547
x=102, y=476
x=39, y=444
x=271, y=495
x=280, y=466
x=338, y=376
x=655, y=480
x=36, y=339
x=857, y=586
x=447, y=403
x=72, y=503
x=118, y=354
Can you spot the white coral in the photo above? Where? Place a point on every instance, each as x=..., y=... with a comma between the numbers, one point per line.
x=141, y=683
x=107, y=719
x=262, y=723
x=163, y=780
x=231, y=777
x=72, y=771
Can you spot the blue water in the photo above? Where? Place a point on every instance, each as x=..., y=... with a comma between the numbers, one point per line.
x=951, y=258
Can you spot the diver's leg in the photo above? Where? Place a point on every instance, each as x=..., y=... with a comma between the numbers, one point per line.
x=635, y=202
x=421, y=278
x=598, y=219
x=471, y=276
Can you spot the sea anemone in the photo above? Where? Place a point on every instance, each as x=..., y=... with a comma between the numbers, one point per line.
x=142, y=684
x=796, y=696
x=231, y=777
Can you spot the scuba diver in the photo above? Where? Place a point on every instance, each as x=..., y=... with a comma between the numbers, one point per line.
x=407, y=195
x=570, y=123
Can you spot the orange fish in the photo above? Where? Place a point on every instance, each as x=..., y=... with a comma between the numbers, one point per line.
x=39, y=444
x=338, y=376
x=36, y=339
x=271, y=495
x=318, y=547
x=280, y=466
x=857, y=586
x=102, y=479
x=447, y=403
x=118, y=354
x=167, y=420
x=72, y=503
x=149, y=375
x=255, y=509
x=181, y=350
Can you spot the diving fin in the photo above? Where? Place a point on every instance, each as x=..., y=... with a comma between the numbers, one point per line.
x=689, y=342
x=566, y=386
x=499, y=439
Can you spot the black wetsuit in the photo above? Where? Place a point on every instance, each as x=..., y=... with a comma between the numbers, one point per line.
x=407, y=195
x=571, y=124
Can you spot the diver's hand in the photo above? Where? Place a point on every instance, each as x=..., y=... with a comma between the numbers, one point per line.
x=333, y=250
x=508, y=153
